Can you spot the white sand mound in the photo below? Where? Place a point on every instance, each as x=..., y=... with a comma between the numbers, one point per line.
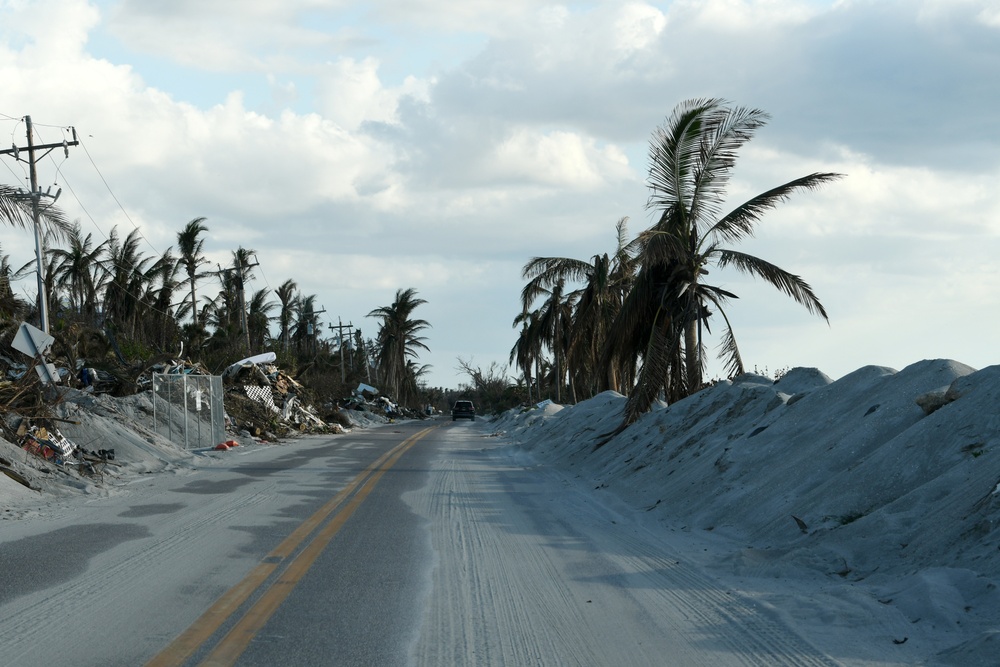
x=102, y=422
x=850, y=481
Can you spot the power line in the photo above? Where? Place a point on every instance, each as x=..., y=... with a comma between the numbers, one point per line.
x=115, y=197
x=65, y=144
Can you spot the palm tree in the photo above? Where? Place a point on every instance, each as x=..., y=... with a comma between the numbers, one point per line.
x=126, y=281
x=237, y=276
x=12, y=308
x=414, y=373
x=307, y=325
x=528, y=347
x=397, y=342
x=78, y=271
x=605, y=280
x=288, y=300
x=21, y=209
x=554, y=322
x=259, y=318
x=190, y=247
x=662, y=317
x=221, y=317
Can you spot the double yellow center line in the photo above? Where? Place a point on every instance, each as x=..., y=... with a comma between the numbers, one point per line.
x=236, y=640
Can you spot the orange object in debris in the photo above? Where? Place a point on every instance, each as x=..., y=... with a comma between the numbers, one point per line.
x=232, y=443
x=222, y=447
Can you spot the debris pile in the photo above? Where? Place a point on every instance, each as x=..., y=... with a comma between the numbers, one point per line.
x=373, y=407
x=267, y=402
x=52, y=446
x=44, y=446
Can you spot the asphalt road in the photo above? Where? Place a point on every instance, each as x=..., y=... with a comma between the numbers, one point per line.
x=120, y=580
x=419, y=543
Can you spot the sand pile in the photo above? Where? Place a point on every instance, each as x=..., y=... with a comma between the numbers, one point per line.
x=884, y=482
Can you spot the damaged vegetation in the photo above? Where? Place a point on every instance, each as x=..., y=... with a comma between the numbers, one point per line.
x=115, y=326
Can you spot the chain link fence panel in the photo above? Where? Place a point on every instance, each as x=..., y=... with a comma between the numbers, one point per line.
x=188, y=409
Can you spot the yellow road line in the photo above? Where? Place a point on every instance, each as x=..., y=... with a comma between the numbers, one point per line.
x=215, y=616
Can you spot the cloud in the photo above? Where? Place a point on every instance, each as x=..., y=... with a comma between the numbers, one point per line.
x=226, y=35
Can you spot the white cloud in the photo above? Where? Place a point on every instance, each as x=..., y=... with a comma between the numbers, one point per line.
x=49, y=29
x=553, y=158
x=990, y=16
x=742, y=15
x=226, y=36
x=637, y=27
x=350, y=93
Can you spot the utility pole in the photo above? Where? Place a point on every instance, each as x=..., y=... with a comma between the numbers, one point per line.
x=36, y=195
x=340, y=336
x=364, y=354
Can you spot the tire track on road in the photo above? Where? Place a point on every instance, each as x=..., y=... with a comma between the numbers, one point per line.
x=532, y=569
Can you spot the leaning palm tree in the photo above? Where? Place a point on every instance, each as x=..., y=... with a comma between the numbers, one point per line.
x=661, y=320
x=397, y=342
x=190, y=246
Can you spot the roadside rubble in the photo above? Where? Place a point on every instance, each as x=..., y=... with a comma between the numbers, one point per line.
x=264, y=401
x=76, y=431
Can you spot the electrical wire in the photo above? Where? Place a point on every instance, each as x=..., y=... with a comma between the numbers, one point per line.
x=62, y=176
x=115, y=197
x=93, y=221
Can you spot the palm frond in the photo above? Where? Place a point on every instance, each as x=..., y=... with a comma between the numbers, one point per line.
x=739, y=223
x=786, y=282
x=729, y=351
x=16, y=209
x=726, y=130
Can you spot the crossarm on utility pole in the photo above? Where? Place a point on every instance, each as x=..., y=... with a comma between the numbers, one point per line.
x=32, y=148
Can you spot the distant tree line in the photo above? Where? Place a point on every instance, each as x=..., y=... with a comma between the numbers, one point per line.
x=108, y=301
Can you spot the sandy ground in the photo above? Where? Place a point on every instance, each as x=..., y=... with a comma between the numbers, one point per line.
x=847, y=509
x=844, y=505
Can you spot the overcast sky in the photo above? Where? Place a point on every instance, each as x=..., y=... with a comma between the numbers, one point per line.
x=364, y=147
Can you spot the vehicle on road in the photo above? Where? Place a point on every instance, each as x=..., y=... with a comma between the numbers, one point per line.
x=463, y=410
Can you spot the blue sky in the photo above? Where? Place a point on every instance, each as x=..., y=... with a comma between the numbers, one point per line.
x=365, y=147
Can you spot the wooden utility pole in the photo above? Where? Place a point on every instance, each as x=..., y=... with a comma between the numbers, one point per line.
x=340, y=337
x=36, y=195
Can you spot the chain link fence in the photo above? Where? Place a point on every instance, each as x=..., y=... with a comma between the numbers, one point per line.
x=188, y=410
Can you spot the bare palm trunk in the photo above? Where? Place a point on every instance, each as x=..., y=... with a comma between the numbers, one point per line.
x=559, y=379
x=194, y=305
x=692, y=355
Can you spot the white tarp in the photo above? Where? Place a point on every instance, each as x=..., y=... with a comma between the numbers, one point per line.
x=265, y=358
